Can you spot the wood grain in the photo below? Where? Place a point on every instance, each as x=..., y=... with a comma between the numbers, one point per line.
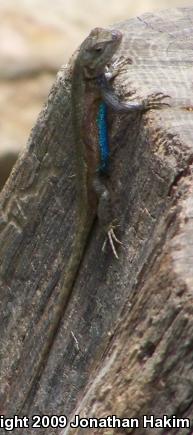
x=126, y=335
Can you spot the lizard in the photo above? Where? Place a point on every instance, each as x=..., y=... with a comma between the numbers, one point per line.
x=91, y=95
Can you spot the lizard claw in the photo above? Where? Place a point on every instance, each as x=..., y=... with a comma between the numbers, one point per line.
x=122, y=61
x=112, y=238
x=112, y=71
x=155, y=101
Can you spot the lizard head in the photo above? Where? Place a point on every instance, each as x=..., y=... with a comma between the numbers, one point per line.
x=97, y=50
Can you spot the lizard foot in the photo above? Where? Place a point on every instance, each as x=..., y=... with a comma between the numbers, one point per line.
x=155, y=101
x=112, y=238
x=115, y=67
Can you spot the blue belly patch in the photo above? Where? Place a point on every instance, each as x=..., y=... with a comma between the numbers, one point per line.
x=103, y=137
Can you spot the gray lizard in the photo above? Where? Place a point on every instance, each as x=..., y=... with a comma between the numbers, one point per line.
x=91, y=94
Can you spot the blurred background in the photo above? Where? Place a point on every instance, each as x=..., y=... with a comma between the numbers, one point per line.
x=36, y=38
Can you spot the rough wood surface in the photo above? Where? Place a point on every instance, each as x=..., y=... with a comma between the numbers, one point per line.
x=129, y=322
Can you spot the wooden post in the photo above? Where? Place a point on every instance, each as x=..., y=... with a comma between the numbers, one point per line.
x=128, y=327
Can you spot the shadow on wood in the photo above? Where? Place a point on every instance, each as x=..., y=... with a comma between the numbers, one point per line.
x=126, y=334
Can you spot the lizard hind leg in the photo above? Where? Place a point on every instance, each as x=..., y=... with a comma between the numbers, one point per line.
x=104, y=213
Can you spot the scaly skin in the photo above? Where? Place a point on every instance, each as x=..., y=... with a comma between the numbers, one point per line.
x=95, y=52
x=89, y=88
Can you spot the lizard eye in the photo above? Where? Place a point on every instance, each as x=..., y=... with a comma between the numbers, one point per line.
x=98, y=49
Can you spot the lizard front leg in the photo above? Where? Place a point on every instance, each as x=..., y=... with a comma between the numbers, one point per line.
x=112, y=100
x=153, y=101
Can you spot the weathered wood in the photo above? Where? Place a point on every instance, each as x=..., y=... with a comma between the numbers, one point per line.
x=132, y=318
